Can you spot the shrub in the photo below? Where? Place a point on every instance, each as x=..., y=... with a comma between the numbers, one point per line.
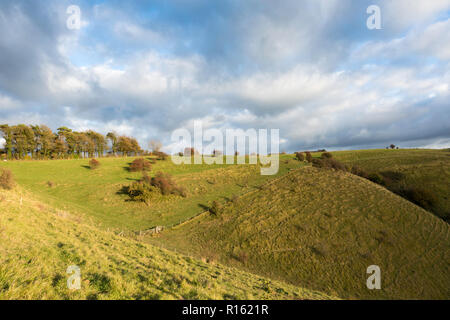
x=50, y=184
x=392, y=176
x=140, y=191
x=419, y=196
x=140, y=164
x=300, y=156
x=359, y=172
x=327, y=155
x=94, y=164
x=375, y=177
x=308, y=156
x=160, y=155
x=328, y=163
x=164, y=182
x=318, y=163
x=7, y=179
x=146, y=188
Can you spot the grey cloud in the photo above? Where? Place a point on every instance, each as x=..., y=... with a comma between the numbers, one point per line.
x=253, y=64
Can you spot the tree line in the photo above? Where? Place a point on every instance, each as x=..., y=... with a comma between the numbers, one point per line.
x=40, y=142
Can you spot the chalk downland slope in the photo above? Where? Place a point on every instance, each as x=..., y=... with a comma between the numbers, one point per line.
x=422, y=168
x=38, y=243
x=321, y=229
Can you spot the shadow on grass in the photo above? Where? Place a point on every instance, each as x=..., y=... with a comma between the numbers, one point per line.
x=123, y=191
x=204, y=207
x=133, y=179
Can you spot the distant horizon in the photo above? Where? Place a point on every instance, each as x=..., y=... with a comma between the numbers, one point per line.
x=438, y=145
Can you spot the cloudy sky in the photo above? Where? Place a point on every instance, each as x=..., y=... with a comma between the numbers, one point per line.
x=311, y=68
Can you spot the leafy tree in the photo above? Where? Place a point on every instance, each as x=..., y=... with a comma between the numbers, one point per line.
x=22, y=140
x=39, y=142
x=111, y=136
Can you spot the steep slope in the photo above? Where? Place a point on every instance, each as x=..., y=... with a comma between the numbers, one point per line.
x=321, y=229
x=420, y=168
x=38, y=244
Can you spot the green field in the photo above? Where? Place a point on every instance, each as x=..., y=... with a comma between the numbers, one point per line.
x=303, y=233
x=96, y=193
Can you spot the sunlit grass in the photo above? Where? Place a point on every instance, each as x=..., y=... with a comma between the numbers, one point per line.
x=96, y=193
x=321, y=229
x=38, y=243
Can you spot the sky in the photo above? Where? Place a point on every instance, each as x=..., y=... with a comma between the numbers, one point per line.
x=310, y=68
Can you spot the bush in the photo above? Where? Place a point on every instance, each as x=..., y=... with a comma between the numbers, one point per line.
x=160, y=155
x=164, y=182
x=146, y=188
x=419, y=196
x=300, y=156
x=7, y=179
x=392, y=176
x=308, y=156
x=140, y=164
x=141, y=191
x=327, y=155
x=359, y=172
x=375, y=177
x=328, y=163
x=94, y=164
x=318, y=163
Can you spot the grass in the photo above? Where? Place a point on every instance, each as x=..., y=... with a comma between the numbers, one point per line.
x=321, y=229
x=38, y=243
x=70, y=185
x=427, y=169
x=312, y=228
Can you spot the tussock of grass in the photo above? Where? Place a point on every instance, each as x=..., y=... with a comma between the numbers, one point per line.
x=38, y=243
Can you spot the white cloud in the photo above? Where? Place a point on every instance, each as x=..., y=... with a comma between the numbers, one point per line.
x=404, y=14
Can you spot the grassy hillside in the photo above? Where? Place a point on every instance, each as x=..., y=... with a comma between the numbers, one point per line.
x=38, y=243
x=97, y=193
x=424, y=169
x=321, y=229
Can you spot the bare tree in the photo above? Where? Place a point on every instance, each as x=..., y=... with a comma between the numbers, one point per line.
x=155, y=145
